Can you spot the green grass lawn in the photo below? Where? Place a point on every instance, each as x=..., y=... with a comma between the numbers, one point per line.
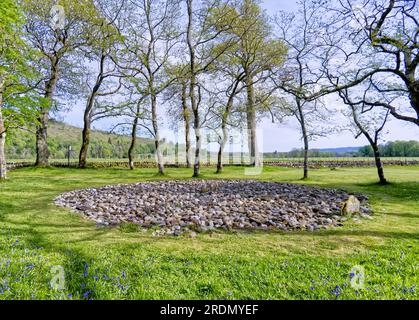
x=129, y=263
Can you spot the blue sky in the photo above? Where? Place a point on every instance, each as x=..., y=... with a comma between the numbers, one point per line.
x=285, y=136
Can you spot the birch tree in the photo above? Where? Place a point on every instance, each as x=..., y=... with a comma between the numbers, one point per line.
x=55, y=30
x=101, y=81
x=151, y=36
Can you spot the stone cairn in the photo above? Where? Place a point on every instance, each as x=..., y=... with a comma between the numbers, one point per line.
x=176, y=206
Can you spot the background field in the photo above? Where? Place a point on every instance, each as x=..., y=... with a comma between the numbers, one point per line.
x=129, y=263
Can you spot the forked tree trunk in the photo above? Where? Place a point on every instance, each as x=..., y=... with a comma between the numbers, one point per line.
x=87, y=118
x=42, y=152
x=374, y=144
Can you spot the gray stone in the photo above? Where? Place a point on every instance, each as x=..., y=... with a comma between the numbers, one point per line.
x=351, y=206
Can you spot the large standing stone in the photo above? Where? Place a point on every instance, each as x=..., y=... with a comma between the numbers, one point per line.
x=351, y=206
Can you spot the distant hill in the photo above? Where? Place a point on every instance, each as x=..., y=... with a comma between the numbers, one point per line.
x=20, y=144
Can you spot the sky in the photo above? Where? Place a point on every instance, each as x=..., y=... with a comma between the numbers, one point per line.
x=284, y=136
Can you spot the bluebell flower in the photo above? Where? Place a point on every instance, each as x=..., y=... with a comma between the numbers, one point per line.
x=311, y=288
x=336, y=291
x=70, y=296
x=86, y=294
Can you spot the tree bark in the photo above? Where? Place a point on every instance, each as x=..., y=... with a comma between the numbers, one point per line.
x=224, y=120
x=3, y=168
x=133, y=141
x=414, y=96
x=302, y=121
x=159, y=156
x=223, y=142
x=186, y=119
x=87, y=118
x=192, y=84
x=251, y=122
x=374, y=144
x=379, y=164
x=85, y=140
x=305, y=170
x=42, y=152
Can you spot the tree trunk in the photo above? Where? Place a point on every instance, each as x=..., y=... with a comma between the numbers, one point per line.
x=186, y=119
x=251, y=122
x=378, y=164
x=42, y=152
x=197, y=164
x=192, y=84
x=133, y=140
x=3, y=169
x=305, y=137
x=87, y=118
x=220, y=160
x=159, y=155
x=221, y=150
x=85, y=140
x=305, y=174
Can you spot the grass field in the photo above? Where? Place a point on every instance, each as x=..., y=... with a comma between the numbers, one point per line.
x=129, y=263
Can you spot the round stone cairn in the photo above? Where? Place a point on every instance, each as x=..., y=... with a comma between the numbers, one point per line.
x=176, y=207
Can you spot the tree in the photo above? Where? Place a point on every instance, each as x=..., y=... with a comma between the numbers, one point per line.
x=101, y=51
x=228, y=79
x=55, y=40
x=368, y=122
x=177, y=96
x=375, y=42
x=300, y=33
x=15, y=76
x=151, y=37
x=257, y=53
x=205, y=25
